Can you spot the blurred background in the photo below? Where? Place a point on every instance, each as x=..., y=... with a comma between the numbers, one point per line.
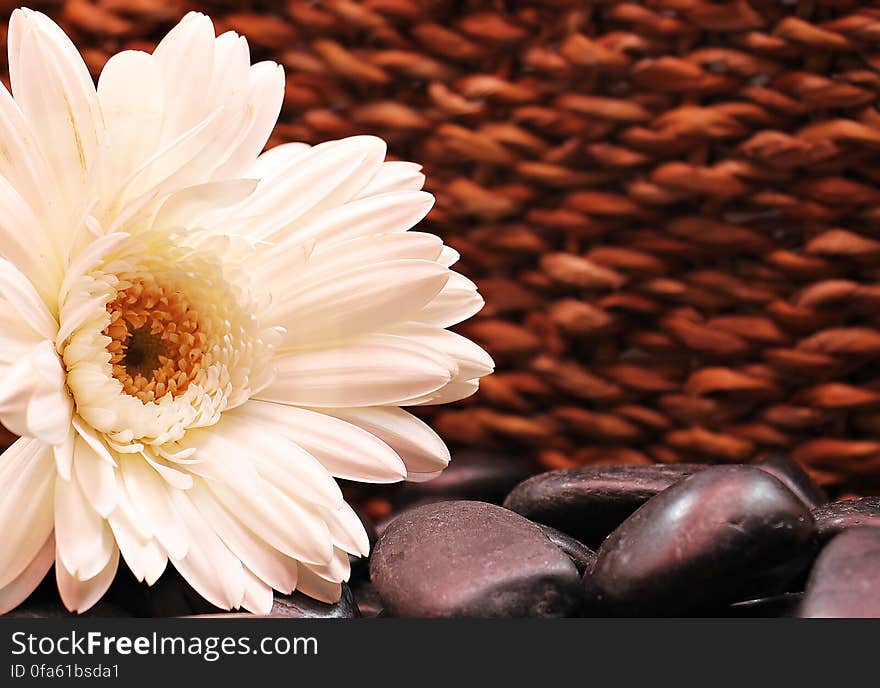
x=670, y=206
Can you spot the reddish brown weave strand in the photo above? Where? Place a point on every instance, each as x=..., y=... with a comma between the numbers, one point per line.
x=671, y=206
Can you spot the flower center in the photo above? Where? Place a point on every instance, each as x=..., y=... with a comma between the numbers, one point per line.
x=157, y=346
x=163, y=339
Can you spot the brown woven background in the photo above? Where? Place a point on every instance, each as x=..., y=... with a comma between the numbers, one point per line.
x=671, y=206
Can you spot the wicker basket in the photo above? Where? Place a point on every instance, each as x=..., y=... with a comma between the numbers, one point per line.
x=671, y=206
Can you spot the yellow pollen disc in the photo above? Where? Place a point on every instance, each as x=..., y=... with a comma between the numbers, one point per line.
x=156, y=344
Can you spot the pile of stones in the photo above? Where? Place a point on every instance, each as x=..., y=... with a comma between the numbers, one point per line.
x=662, y=540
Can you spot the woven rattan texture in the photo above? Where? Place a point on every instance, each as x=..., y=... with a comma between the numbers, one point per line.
x=671, y=206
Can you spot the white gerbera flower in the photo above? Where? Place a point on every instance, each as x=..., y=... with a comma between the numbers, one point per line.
x=195, y=338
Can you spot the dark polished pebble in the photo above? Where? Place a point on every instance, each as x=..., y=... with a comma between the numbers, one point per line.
x=590, y=502
x=784, y=605
x=580, y=554
x=53, y=609
x=383, y=523
x=721, y=534
x=835, y=517
x=473, y=475
x=367, y=599
x=845, y=580
x=795, y=478
x=299, y=606
x=471, y=559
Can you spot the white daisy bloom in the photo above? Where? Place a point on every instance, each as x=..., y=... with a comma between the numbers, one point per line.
x=197, y=338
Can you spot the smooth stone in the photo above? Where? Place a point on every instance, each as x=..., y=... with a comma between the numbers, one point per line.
x=835, y=517
x=582, y=556
x=775, y=606
x=471, y=475
x=471, y=559
x=720, y=535
x=385, y=521
x=367, y=599
x=299, y=606
x=795, y=478
x=588, y=503
x=845, y=580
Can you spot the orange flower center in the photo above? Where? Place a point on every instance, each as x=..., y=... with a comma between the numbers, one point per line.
x=157, y=346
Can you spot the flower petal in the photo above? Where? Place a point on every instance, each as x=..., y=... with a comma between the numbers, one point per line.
x=87, y=259
x=96, y=478
x=33, y=399
x=454, y=391
x=276, y=263
x=63, y=454
x=267, y=563
x=24, y=166
x=338, y=570
x=270, y=516
x=25, y=242
x=448, y=257
x=373, y=371
x=270, y=451
x=471, y=360
x=354, y=253
x=53, y=87
x=209, y=566
x=258, y=598
x=17, y=591
x=80, y=595
x=178, y=164
x=19, y=291
x=185, y=57
x=313, y=585
x=83, y=538
x=274, y=161
x=151, y=504
x=335, y=307
x=457, y=301
x=26, y=512
x=187, y=207
x=232, y=63
x=331, y=172
x=394, y=212
x=415, y=442
x=95, y=441
x=345, y=450
x=131, y=95
x=348, y=530
x=144, y=556
x=221, y=459
x=16, y=339
x=394, y=175
x=262, y=102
